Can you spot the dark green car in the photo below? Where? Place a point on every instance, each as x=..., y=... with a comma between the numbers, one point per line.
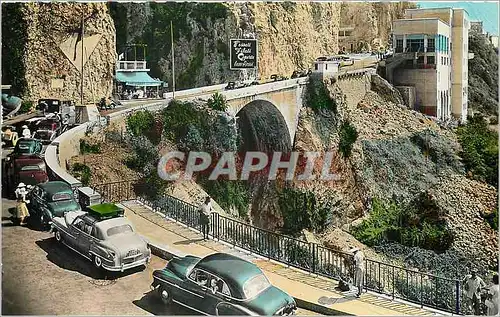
x=51, y=199
x=28, y=147
x=221, y=284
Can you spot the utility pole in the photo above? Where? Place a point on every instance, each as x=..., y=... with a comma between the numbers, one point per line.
x=173, y=59
x=83, y=50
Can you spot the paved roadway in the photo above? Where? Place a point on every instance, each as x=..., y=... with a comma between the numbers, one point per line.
x=41, y=277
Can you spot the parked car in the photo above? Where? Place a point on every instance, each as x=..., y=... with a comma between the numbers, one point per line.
x=49, y=200
x=220, y=284
x=104, y=236
x=27, y=146
x=28, y=169
x=10, y=105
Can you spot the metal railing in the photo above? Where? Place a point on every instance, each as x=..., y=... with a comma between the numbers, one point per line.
x=394, y=281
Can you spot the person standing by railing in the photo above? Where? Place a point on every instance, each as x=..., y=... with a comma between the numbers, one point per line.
x=359, y=269
x=205, y=211
x=473, y=285
x=493, y=299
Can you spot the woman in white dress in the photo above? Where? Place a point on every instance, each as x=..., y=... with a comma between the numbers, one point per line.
x=22, y=210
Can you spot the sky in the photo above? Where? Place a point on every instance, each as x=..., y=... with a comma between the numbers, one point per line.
x=483, y=11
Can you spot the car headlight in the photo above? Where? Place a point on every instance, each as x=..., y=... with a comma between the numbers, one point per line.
x=111, y=254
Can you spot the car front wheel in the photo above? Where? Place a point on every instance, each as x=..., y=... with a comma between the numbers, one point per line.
x=58, y=236
x=165, y=295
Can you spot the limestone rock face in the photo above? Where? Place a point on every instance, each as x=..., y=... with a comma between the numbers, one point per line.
x=368, y=24
x=52, y=56
x=290, y=35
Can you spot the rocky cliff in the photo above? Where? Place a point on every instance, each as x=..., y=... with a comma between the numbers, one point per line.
x=367, y=24
x=291, y=35
x=44, y=58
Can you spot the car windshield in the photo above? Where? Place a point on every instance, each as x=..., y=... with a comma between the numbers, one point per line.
x=31, y=168
x=255, y=286
x=119, y=230
x=43, y=134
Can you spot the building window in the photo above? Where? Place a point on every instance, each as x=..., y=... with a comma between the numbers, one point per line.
x=442, y=60
x=316, y=66
x=431, y=45
x=399, y=46
x=415, y=45
x=431, y=60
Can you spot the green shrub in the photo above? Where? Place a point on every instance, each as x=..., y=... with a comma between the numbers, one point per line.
x=179, y=116
x=138, y=123
x=318, y=97
x=348, y=135
x=228, y=194
x=217, y=102
x=82, y=172
x=479, y=150
x=192, y=141
x=26, y=107
x=87, y=148
x=301, y=210
x=403, y=224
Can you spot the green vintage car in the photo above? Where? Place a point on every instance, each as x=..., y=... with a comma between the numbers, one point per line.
x=221, y=284
x=49, y=200
x=27, y=146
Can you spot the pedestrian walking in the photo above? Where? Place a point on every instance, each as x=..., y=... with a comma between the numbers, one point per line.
x=205, y=211
x=493, y=299
x=359, y=268
x=473, y=285
x=21, y=209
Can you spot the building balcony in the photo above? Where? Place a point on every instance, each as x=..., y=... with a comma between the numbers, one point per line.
x=131, y=66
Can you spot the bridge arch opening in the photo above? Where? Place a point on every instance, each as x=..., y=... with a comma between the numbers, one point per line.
x=263, y=128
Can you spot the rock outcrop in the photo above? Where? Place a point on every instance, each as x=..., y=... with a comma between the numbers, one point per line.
x=51, y=52
x=291, y=35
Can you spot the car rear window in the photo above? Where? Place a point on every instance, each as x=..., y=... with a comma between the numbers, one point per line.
x=255, y=286
x=30, y=168
x=119, y=229
x=62, y=196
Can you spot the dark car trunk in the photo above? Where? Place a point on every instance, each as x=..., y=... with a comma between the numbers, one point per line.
x=32, y=177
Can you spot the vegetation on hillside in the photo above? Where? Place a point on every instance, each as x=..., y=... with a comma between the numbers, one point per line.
x=348, y=135
x=483, y=75
x=479, y=150
x=301, y=210
x=318, y=97
x=412, y=225
x=14, y=37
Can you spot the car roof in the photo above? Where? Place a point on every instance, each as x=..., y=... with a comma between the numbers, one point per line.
x=55, y=187
x=104, y=225
x=232, y=269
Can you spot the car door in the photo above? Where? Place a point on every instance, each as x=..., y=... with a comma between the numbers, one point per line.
x=229, y=309
x=84, y=239
x=74, y=232
x=217, y=293
x=192, y=292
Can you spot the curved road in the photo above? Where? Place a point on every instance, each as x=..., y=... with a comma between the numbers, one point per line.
x=42, y=277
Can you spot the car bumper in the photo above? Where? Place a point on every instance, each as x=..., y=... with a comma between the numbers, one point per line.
x=127, y=266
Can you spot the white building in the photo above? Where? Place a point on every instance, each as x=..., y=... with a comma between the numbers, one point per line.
x=326, y=67
x=431, y=54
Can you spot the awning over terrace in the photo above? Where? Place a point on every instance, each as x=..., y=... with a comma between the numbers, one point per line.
x=137, y=78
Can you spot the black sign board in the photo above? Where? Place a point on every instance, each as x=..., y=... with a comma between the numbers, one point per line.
x=243, y=54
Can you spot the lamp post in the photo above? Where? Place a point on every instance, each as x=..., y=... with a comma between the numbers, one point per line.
x=83, y=50
x=173, y=59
